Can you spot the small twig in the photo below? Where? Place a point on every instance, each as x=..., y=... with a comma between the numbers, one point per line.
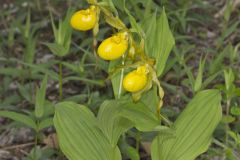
x=17, y=146
x=24, y=152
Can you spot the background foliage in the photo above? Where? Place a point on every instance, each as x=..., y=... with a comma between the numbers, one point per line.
x=42, y=64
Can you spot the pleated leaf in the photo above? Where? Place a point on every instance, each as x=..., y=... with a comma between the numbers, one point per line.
x=115, y=117
x=112, y=124
x=193, y=129
x=151, y=99
x=79, y=136
x=159, y=39
x=40, y=98
x=139, y=114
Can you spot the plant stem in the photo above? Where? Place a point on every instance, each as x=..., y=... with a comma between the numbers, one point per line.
x=138, y=141
x=35, y=145
x=60, y=82
x=227, y=126
x=217, y=142
x=121, y=79
x=36, y=139
x=39, y=5
x=94, y=44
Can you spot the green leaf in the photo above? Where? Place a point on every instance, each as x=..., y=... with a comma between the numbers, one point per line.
x=235, y=110
x=116, y=78
x=147, y=12
x=24, y=90
x=111, y=6
x=57, y=49
x=194, y=128
x=112, y=20
x=41, y=68
x=229, y=78
x=210, y=78
x=151, y=99
x=135, y=26
x=62, y=35
x=117, y=116
x=85, y=80
x=217, y=62
x=27, y=120
x=72, y=66
x=40, y=98
x=79, y=136
x=231, y=28
x=30, y=49
x=13, y=72
x=142, y=117
x=27, y=27
x=45, y=123
x=234, y=136
x=199, y=78
x=111, y=123
x=132, y=153
x=11, y=35
x=228, y=119
x=49, y=109
x=159, y=40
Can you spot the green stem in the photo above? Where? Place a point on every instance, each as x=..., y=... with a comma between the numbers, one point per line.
x=60, y=82
x=121, y=79
x=227, y=126
x=220, y=144
x=39, y=5
x=138, y=141
x=36, y=140
x=94, y=45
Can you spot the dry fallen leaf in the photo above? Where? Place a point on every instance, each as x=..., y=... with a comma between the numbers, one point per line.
x=147, y=147
x=51, y=140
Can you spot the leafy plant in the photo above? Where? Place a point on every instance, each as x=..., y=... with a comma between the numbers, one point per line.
x=190, y=134
x=193, y=129
x=62, y=35
x=38, y=120
x=188, y=137
x=114, y=90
